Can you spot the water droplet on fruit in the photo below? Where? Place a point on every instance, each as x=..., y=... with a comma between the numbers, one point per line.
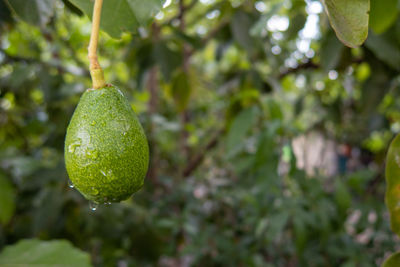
x=93, y=123
x=95, y=191
x=72, y=147
x=70, y=184
x=108, y=174
x=93, y=206
x=397, y=158
x=92, y=154
x=124, y=133
x=119, y=91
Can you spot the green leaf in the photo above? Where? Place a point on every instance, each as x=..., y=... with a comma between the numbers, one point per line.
x=349, y=19
x=392, y=261
x=276, y=225
x=386, y=48
x=39, y=253
x=37, y=12
x=301, y=235
x=181, y=90
x=331, y=52
x=240, y=25
x=383, y=14
x=7, y=200
x=239, y=128
x=342, y=196
x=118, y=16
x=168, y=60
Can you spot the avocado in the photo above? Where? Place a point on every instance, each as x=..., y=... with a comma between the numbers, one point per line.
x=106, y=149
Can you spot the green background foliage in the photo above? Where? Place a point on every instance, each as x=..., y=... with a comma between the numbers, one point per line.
x=234, y=97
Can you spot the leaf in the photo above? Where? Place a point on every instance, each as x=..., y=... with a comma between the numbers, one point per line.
x=386, y=48
x=181, y=90
x=342, y=196
x=168, y=59
x=118, y=16
x=383, y=14
x=37, y=12
x=301, y=235
x=331, y=52
x=349, y=19
x=5, y=14
x=392, y=261
x=276, y=225
x=7, y=200
x=240, y=26
x=238, y=130
x=35, y=252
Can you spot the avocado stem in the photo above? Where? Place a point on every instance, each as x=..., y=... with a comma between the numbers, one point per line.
x=96, y=71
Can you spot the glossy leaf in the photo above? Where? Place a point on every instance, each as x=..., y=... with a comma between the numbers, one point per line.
x=37, y=12
x=122, y=15
x=349, y=19
x=385, y=47
x=43, y=253
x=383, y=14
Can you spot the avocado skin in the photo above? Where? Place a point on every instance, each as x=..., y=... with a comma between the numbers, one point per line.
x=106, y=150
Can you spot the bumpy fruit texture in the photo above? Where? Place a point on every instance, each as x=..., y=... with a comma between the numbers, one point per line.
x=392, y=197
x=106, y=150
x=392, y=261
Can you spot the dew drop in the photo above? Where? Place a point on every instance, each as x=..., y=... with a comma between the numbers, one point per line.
x=92, y=154
x=93, y=123
x=70, y=184
x=397, y=158
x=93, y=206
x=72, y=147
x=95, y=191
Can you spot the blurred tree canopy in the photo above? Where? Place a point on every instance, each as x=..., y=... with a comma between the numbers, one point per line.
x=242, y=102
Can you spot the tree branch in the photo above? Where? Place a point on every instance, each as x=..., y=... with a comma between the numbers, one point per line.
x=198, y=159
x=307, y=65
x=184, y=8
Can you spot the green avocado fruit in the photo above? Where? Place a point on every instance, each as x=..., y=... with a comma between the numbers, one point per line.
x=106, y=150
x=392, y=261
x=392, y=173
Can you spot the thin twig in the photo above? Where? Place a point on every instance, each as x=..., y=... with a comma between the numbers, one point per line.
x=198, y=159
x=185, y=8
x=307, y=65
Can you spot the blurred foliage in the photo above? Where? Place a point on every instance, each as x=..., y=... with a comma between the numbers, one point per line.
x=222, y=89
x=43, y=253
